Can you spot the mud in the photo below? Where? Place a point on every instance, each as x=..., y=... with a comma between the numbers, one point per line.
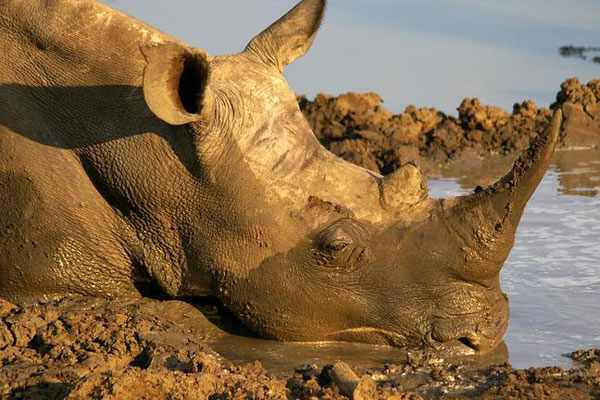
x=92, y=349
x=358, y=128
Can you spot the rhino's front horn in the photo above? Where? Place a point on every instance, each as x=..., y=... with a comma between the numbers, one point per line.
x=485, y=222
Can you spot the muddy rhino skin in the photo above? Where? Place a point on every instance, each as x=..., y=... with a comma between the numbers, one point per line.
x=132, y=164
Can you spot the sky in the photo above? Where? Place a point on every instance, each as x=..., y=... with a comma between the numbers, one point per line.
x=425, y=52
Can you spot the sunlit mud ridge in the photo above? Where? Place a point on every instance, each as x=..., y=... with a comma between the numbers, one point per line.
x=96, y=349
x=358, y=128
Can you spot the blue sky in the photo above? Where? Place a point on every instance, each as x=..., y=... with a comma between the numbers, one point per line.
x=423, y=52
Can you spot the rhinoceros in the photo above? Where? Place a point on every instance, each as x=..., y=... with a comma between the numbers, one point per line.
x=132, y=164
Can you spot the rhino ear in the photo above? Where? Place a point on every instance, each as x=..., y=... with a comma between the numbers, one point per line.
x=291, y=36
x=175, y=80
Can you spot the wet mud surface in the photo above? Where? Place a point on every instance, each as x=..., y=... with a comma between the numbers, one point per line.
x=90, y=348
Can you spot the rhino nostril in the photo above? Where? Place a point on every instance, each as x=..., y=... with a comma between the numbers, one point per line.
x=469, y=343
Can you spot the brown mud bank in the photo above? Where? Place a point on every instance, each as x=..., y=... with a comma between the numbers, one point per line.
x=359, y=129
x=92, y=349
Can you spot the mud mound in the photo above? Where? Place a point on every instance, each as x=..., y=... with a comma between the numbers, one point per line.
x=581, y=108
x=93, y=349
x=359, y=129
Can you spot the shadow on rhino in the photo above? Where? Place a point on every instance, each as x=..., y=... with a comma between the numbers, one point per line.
x=129, y=159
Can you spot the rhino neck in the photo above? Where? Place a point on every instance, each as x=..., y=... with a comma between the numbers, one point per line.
x=74, y=68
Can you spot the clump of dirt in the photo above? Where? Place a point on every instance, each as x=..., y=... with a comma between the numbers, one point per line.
x=439, y=380
x=572, y=91
x=581, y=108
x=358, y=128
x=93, y=349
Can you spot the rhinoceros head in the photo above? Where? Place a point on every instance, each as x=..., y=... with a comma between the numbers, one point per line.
x=304, y=246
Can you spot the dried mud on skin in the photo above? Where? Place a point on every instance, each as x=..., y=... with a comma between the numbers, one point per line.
x=359, y=129
x=97, y=349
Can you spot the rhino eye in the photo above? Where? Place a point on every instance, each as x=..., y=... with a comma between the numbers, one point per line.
x=343, y=246
x=337, y=245
x=334, y=240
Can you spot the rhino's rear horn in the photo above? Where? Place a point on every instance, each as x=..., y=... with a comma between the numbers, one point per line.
x=175, y=80
x=291, y=36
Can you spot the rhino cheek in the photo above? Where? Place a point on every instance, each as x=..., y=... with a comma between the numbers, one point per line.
x=275, y=301
x=290, y=298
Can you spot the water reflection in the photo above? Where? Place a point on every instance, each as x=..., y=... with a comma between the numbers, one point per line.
x=578, y=172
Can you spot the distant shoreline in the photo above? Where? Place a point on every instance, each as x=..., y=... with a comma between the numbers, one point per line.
x=583, y=52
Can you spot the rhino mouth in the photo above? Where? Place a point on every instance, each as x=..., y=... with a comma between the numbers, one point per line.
x=468, y=343
x=465, y=345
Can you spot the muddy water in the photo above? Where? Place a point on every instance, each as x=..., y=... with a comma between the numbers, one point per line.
x=552, y=276
x=235, y=343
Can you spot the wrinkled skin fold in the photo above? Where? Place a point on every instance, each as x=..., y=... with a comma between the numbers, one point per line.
x=132, y=163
